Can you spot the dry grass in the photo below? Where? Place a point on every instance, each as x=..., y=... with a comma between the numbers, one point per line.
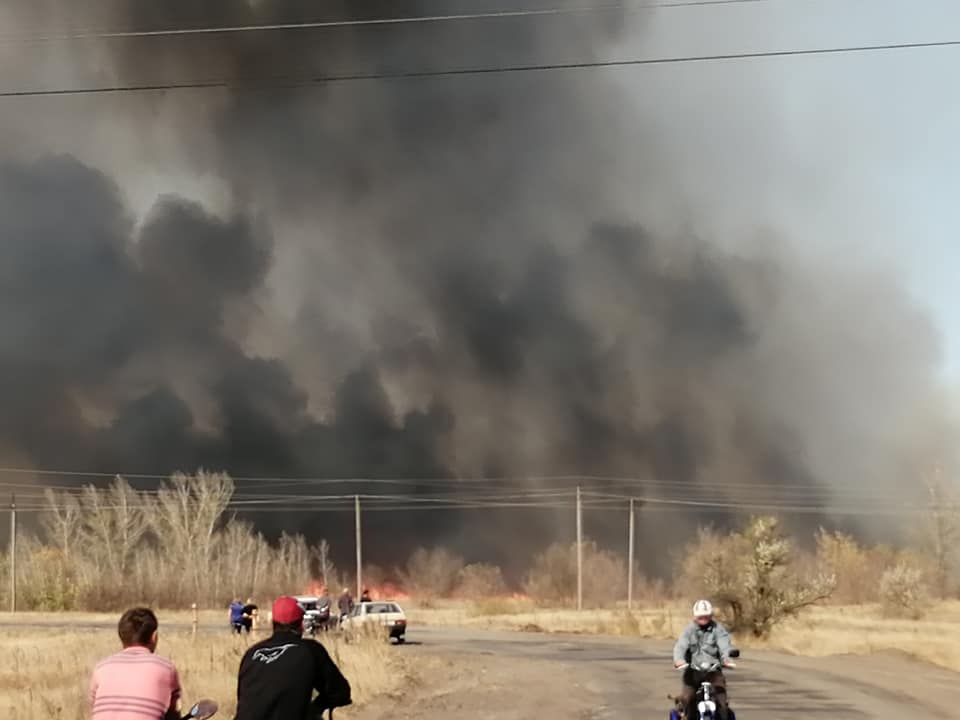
x=858, y=630
x=511, y=614
x=44, y=673
x=863, y=630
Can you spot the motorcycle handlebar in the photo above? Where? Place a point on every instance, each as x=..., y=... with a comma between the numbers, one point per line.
x=726, y=665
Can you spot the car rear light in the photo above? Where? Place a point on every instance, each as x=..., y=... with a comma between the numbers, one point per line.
x=400, y=622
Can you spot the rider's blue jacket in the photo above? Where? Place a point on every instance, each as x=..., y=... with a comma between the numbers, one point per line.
x=703, y=646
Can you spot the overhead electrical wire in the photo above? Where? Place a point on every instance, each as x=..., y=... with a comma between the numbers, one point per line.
x=292, y=83
x=251, y=490
x=81, y=35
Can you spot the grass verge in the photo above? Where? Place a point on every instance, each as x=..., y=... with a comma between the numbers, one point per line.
x=45, y=673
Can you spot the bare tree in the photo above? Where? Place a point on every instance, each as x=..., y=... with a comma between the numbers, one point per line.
x=185, y=515
x=113, y=523
x=942, y=532
x=62, y=522
x=292, y=563
x=325, y=565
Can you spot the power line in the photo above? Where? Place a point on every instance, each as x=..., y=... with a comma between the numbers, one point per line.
x=254, y=84
x=373, y=22
x=252, y=488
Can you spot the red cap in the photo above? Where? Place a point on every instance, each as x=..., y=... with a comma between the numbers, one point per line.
x=286, y=610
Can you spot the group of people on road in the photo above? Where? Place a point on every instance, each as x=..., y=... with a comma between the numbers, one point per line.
x=289, y=677
x=243, y=616
x=284, y=677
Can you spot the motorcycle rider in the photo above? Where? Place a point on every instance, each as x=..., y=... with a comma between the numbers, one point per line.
x=703, y=643
x=278, y=676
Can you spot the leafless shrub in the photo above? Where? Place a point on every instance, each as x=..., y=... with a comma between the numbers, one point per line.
x=904, y=592
x=855, y=567
x=553, y=578
x=431, y=573
x=480, y=580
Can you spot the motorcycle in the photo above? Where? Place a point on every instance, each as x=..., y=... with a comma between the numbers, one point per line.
x=202, y=710
x=705, y=698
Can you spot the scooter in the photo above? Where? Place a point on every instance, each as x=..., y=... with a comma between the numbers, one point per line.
x=202, y=710
x=706, y=703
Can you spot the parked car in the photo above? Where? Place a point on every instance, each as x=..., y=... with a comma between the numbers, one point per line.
x=386, y=614
x=316, y=613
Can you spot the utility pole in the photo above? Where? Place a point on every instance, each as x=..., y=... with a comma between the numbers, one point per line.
x=356, y=511
x=13, y=553
x=630, y=543
x=579, y=550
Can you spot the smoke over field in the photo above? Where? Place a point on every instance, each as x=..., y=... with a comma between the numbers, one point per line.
x=410, y=279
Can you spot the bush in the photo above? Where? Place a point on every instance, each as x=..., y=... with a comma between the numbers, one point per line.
x=751, y=576
x=480, y=580
x=432, y=573
x=50, y=585
x=855, y=567
x=903, y=592
x=553, y=578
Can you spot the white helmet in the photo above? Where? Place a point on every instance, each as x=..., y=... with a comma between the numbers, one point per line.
x=703, y=608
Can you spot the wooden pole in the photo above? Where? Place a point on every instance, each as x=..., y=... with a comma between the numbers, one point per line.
x=356, y=510
x=579, y=550
x=630, y=544
x=13, y=553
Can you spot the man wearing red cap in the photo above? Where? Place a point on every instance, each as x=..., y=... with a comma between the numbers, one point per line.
x=278, y=676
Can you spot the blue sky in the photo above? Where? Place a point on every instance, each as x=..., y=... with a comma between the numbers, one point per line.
x=855, y=157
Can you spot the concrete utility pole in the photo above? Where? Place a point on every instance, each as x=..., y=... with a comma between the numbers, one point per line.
x=630, y=543
x=13, y=553
x=579, y=550
x=356, y=510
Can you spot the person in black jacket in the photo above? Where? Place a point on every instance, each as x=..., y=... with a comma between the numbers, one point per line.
x=278, y=676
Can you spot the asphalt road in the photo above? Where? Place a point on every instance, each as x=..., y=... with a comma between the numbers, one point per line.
x=634, y=677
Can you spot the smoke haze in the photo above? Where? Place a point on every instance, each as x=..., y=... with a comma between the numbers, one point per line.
x=413, y=279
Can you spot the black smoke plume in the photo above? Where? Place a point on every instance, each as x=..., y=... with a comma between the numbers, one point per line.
x=412, y=279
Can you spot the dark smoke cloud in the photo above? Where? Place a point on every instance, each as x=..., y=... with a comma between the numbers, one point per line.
x=472, y=293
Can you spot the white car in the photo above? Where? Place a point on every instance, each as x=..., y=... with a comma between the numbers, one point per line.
x=386, y=614
x=316, y=612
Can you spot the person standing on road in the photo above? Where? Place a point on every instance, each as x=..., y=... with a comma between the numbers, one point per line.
x=136, y=684
x=236, y=616
x=345, y=604
x=704, y=643
x=249, y=615
x=278, y=676
x=365, y=596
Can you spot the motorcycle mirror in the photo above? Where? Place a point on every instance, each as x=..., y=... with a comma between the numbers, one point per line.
x=734, y=653
x=203, y=710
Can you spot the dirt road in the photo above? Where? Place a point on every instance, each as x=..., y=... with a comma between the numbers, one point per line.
x=475, y=673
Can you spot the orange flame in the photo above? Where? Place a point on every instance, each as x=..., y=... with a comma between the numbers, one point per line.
x=383, y=591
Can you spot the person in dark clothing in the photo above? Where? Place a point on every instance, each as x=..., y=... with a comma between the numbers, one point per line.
x=278, y=676
x=365, y=596
x=249, y=615
x=345, y=604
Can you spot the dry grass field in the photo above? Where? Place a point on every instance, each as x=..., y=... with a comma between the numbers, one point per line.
x=859, y=630
x=44, y=672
